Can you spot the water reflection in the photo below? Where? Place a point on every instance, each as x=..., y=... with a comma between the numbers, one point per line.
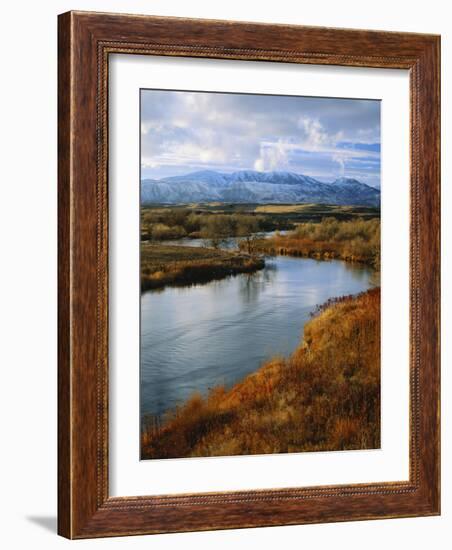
x=252, y=284
x=193, y=338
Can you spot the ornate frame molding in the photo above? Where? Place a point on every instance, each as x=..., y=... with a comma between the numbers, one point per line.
x=85, y=42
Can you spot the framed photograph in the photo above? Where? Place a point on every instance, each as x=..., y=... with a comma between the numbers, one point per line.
x=248, y=275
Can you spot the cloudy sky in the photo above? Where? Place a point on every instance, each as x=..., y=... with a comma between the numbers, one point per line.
x=182, y=132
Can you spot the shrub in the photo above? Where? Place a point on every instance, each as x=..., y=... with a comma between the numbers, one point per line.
x=356, y=240
x=161, y=232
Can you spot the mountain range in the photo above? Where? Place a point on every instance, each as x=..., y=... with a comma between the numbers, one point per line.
x=249, y=186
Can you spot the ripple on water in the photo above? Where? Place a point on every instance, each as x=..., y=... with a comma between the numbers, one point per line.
x=193, y=338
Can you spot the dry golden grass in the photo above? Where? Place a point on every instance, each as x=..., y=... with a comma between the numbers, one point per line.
x=282, y=208
x=309, y=207
x=325, y=396
x=354, y=241
x=163, y=265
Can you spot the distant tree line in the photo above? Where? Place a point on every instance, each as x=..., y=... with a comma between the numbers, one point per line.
x=214, y=228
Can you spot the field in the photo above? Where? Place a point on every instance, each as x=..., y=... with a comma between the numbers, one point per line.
x=325, y=396
x=316, y=212
x=163, y=265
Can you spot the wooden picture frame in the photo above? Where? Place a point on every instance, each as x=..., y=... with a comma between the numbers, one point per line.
x=85, y=42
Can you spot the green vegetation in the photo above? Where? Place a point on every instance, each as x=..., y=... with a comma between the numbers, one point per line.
x=356, y=241
x=163, y=265
x=325, y=396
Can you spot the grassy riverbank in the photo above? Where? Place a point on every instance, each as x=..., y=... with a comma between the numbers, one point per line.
x=325, y=396
x=354, y=241
x=163, y=265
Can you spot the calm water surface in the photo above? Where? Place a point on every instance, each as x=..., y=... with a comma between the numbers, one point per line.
x=194, y=338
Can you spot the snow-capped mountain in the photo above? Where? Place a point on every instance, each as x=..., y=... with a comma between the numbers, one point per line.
x=250, y=186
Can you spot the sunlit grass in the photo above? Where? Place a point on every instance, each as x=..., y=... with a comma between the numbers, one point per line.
x=355, y=241
x=325, y=396
x=163, y=265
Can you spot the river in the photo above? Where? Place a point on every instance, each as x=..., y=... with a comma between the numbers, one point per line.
x=197, y=337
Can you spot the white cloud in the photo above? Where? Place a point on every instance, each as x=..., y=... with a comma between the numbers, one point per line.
x=314, y=135
x=149, y=163
x=272, y=156
x=339, y=158
x=184, y=130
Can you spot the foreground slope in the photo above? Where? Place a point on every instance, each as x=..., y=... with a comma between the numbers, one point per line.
x=325, y=396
